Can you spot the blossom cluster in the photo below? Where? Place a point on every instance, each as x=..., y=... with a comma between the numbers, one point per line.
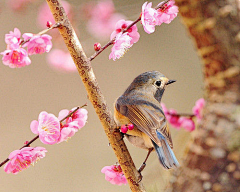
x=15, y=56
x=101, y=19
x=125, y=37
x=152, y=17
x=179, y=121
x=23, y=158
x=51, y=130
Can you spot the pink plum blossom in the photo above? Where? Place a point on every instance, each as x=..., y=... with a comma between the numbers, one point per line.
x=73, y=123
x=114, y=175
x=149, y=17
x=167, y=12
x=48, y=128
x=102, y=18
x=45, y=15
x=132, y=31
x=178, y=121
x=13, y=38
x=187, y=123
x=66, y=133
x=197, y=109
x=61, y=61
x=53, y=130
x=171, y=116
x=80, y=117
x=23, y=158
x=16, y=58
x=120, y=46
x=38, y=153
x=37, y=44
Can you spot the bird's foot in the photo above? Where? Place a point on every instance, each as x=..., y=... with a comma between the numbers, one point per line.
x=122, y=136
x=140, y=170
x=140, y=178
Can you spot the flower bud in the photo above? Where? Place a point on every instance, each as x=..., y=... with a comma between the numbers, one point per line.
x=97, y=46
x=124, y=129
x=49, y=24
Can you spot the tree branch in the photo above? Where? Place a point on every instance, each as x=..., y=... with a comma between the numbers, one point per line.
x=96, y=97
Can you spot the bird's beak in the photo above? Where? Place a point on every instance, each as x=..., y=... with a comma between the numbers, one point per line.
x=170, y=81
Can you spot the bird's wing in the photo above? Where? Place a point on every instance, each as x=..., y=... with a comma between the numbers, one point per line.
x=148, y=118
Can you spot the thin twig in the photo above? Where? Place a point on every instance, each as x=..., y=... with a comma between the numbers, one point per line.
x=56, y=25
x=101, y=50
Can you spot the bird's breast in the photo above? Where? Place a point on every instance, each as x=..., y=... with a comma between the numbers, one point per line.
x=120, y=119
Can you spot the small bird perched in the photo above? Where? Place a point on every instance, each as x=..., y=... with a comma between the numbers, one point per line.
x=140, y=105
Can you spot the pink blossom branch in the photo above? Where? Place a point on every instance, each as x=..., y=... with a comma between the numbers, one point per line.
x=56, y=25
x=111, y=42
x=101, y=49
x=35, y=138
x=125, y=30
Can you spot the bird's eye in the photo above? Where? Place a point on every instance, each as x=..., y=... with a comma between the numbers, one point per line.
x=158, y=83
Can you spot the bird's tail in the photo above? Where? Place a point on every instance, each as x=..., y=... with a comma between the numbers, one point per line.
x=165, y=153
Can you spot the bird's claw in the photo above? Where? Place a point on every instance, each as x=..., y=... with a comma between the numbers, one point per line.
x=122, y=136
x=140, y=177
x=140, y=170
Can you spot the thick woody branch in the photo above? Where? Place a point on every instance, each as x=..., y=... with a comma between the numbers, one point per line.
x=96, y=97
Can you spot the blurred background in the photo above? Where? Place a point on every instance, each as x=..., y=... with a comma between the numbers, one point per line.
x=25, y=92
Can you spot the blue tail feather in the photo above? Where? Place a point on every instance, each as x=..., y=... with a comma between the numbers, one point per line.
x=165, y=153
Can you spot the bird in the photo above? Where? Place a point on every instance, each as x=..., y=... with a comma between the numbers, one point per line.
x=140, y=105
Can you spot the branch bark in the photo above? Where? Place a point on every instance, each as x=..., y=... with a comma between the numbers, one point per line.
x=95, y=96
x=212, y=162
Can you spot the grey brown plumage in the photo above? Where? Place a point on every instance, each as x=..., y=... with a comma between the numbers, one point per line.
x=140, y=105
